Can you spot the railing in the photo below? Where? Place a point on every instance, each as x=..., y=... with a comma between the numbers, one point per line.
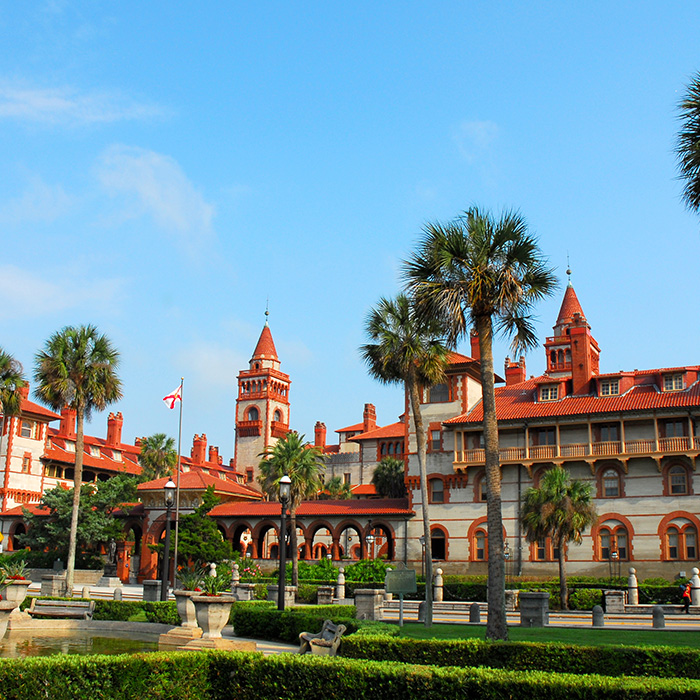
x=577, y=450
x=278, y=430
x=249, y=428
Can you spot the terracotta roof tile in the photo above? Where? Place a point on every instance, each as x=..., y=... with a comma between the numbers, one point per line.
x=347, y=508
x=570, y=305
x=198, y=480
x=265, y=349
x=35, y=409
x=388, y=431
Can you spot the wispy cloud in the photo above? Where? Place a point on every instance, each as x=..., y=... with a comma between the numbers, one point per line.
x=154, y=184
x=210, y=367
x=67, y=105
x=40, y=202
x=475, y=138
x=26, y=294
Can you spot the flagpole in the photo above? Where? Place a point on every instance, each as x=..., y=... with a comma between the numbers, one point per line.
x=177, y=484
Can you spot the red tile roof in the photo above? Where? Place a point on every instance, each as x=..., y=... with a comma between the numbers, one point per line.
x=56, y=452
x=197, y=480
x=516, y=402
x=35, y=409
x=456, y=358
x=351, y=428
x=388, y=431
x=347, y=508
x=364, y=490
x=570, y=305
x=265, y=349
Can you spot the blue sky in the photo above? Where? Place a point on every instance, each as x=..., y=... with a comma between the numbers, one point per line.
x=166, y=168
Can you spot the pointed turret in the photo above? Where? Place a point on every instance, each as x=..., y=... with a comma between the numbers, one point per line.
x=265, y=349
x=570, y=309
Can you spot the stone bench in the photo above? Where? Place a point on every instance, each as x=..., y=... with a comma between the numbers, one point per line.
x=326, y=642
x=74, y=609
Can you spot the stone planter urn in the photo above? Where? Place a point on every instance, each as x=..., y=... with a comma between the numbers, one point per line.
x=185, y=607
x=15, y=591
x=212, y=613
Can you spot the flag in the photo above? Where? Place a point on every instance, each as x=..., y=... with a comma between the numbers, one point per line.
x=172, y=399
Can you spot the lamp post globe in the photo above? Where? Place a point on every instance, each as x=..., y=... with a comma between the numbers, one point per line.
x=169, y=499
x=285, y=484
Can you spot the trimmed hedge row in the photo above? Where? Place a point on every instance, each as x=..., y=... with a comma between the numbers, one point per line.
x=228, y=675
x=614, y=661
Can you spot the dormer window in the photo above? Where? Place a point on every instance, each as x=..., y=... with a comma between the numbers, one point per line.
x=95, y=451
x=673, y=382
x=610, y=387
x=116, y=455
x=549, y=392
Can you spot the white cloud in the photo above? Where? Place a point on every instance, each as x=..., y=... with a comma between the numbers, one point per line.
x=211, y=367
x=156, y=185
x=66, y=105
x=26, y=294
x=39, y=202
x=474, y=138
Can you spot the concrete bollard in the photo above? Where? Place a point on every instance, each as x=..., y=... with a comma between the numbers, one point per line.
x=340, y=585
x=695, y=587
x=474, y=613
x=598, y=616
x=632, y=587
x=421, y=611
x=438, y=587
x=235, y=578
x=85, y=592
x=657, y=616
x=117, y=594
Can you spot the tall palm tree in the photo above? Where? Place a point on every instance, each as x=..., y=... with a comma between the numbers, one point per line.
x=388, y=478
x=337, y=489
x=560, y=509
x=410, y=350
x=305, y=465
x=158, y=456
x=688, y=144
x=77, y=368
x=11, y=381
x=487, y=274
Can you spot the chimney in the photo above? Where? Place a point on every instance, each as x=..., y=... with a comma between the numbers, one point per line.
x=583, y=359
x=137, y=442
x=214, y=455
x=24, y=390
x=320, y=434
x=199, y=449
x=369, y=418
x=114, y=429
x=474, y=340
x=515, y=371
x=67, y=426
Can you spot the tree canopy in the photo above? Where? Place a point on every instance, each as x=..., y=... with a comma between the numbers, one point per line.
x=11, y=381
x=158, y=457
x=688, y=144
x=388, y=478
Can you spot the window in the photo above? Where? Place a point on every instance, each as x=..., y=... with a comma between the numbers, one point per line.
x=438, y=543
x=346, y=478
x=611, y=484
x=609, y=387
x=439, y=393
x=95, y=451
x=541, y=550
x=612, y=539
x=681, y=541
x=435, y=440
x=27, y=429
x=437, y=491
x=277, y=416
x=54, y=471
x=253, y=413
x=480, y=488
x=480, y=544
x=673, y=382
x=549, y=393
x=675, y=428
x=249, y=476
x=607, y=432
x=678, y=481
x=27, y=462
x=545, y=436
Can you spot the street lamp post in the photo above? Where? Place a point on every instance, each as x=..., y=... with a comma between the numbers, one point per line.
x=285, y=490
x=169, y=493
x=506, y=557
x=369, y=540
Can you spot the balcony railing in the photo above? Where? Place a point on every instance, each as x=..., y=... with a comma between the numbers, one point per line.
x=278, y=430
x=615, y=448
x=249, y=428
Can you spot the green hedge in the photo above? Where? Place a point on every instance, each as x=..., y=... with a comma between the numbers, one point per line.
x=230, y=675
x=262, y=622
x=124, y=610
x=663, y=662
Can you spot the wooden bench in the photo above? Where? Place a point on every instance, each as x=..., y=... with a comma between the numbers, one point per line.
x=326, y=642
x=73, y=609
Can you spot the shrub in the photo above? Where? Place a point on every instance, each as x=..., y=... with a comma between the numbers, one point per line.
x=367, y=571
x=585, y=598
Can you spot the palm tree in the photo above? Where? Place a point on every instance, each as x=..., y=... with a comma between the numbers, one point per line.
x=407, y=349
x=305, y=465
x=158, y=456
x=484, y=273
x=11, y=381
x=688, y=144
x=77, y=368
x=388, y=478
x=337, y=489
x=560, y=509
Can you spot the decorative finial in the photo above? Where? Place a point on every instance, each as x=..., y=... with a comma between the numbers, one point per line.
x=267, y=310
x=568, y=270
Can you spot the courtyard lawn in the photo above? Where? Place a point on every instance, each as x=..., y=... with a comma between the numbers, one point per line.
x=565, y=635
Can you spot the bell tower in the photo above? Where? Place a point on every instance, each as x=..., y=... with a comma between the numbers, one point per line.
x=262, y=406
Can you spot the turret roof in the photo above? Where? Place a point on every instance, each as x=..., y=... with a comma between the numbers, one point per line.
x=570, y=305
x=265, y=349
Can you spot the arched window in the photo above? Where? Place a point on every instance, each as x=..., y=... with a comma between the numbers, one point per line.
x=480, y=546
x=438, y=543
x=277, y=416
x=439, y=393
x=681, y=540
x=610, y=482
x=543, y=550
x=437, y=491
x=613, y=538
x=677, y=482
x=253, y=413
x=480, y=488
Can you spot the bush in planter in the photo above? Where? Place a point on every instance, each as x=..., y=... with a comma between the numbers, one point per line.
x=585, y=598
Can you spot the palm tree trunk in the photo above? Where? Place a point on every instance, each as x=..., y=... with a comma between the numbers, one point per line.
x=293, y=546
x=422, y=458
x=77, y=483
x=562, y=577
x=496, y=626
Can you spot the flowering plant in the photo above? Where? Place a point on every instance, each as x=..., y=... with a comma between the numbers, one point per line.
x=250, y=572
x=14, y=569
x=219, y=584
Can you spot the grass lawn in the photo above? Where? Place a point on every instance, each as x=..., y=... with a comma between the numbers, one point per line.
x=565, y=635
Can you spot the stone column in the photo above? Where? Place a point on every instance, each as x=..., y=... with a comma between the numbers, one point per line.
x=340, y=585
x=438, y=587
x=632, y=587
x=695, y=587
